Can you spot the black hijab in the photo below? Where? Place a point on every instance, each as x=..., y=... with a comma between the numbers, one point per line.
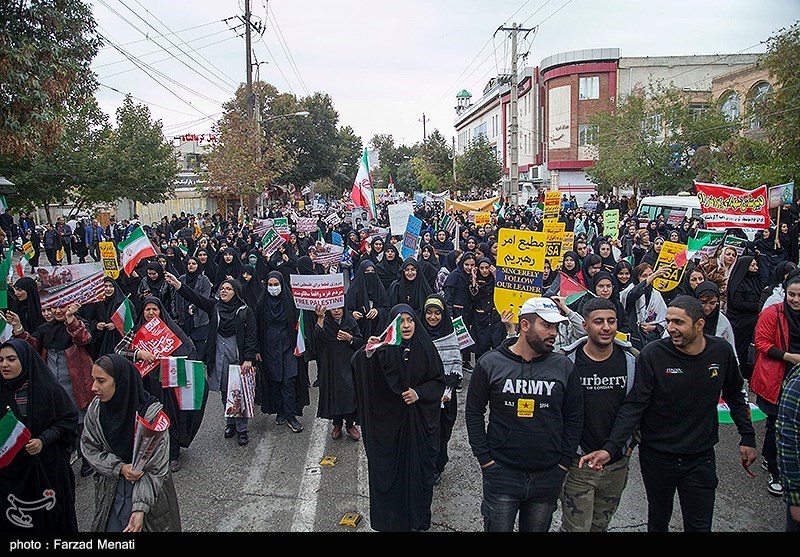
x=174, y=256
x=305, y=266
x=155, y=285
x=486, y=250
x=366, y=287
x=187, y=346
x=209, y=268
x=413, y=292
x=226, y=326
x=30, y=309
x=251, y=289
x=792, y=318
x=389, y=271
x=234, y=268
x=118, y=415
x=709, y=287
x=742, y=278
x=577, y=269
x=588, y=261
x=445, y=325
x=189, y=278
x=632, y=280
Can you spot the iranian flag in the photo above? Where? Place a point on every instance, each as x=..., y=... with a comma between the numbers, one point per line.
x=20, y=266
x=190, y=397
x=569, y=288
x=123, y=317
x=6, y=330
x=362, y=193
x=173, y=372
x=389, y=337
x=13, y=436
x=692, y=247
x=300, y=346
x=135, y=248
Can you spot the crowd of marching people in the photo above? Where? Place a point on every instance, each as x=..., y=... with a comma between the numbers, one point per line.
x=389, y=369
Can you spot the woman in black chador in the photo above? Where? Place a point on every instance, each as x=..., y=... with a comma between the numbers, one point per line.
x=367, y=301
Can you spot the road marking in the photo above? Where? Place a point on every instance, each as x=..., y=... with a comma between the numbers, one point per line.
x=308, y=493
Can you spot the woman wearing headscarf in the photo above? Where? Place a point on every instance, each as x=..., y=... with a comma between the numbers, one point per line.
x=399, y=393
x=154, y=285
x=251, y=286
x=606, y=254
x=779, y=294
x=768, y=252
x=592, y=264
x=305, y=266
x=105, y=335
x=429, y=265
x=284, y=260
x=26, y=303
x=284, y=391
x=651, y=255
x=229, y=266
x=175, y=257
x=126, y=500
x=231, y=341
x=774, y=290
x=63, y=344
x=571, y=267
x=375, y=247
x=443, y=246
x=457, y=297
x=716, y=323
x=439, y=325
x=367, y=301
x=487, y=329
x=192, y=319
x=184, y=424
x=388, y=268
x=30, y=392
x=207, y=265
x=777, y=343
x=645, y=310
x=623, y=275
x=744, y=291
x=411, y=288
x=259, y=262
x=166, y=264
x=485, y=250
x=450, y=264
x=337, y=337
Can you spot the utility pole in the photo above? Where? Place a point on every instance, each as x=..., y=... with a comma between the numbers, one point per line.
x=249, y=61
x=513, y=127
x=455, y=181
x=424, y=120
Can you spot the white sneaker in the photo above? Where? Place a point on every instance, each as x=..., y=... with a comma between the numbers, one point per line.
x=774, y=486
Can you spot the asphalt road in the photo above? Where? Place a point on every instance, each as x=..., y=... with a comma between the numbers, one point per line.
x=276, y=484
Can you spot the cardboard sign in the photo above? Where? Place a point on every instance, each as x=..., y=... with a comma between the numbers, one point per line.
x=62, y=285
x=554, y=248
x=611, y=223
x=482, y=218
x=240, y=402
x=333, y=219
x=666, y=257
x=568, y=242
x=306, y=224
x=271, y=241
x=359, y=216
x=520, y=263
x=552, y=204
x=717, y=237
x=739, y=244
x=108, y=255
x=310, y=291
x=326, y=254
x=398, y=216
x=158, y=339
x=553, y=225
x=464, y=338
x=281, y=226
x=411, y=237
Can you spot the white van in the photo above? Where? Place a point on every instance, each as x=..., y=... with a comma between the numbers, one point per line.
x=684, y=203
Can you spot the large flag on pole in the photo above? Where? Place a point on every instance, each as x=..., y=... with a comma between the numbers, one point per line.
x=135, y=248
x=362, y=193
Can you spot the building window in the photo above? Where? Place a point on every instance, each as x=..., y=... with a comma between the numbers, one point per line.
x=730, y=106
x=587, y=135
x=653, y=126
x=697, y=110
x=589, y=88
x=755, y=102
x=479, y=130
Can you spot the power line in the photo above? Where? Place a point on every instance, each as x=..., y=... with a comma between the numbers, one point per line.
x=284, y=45
x=142, y=100
x=173, y=33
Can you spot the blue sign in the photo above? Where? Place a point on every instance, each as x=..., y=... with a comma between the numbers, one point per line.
x=411, y=237
x=336, y=238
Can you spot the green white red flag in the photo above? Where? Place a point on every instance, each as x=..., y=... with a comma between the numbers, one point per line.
x=6, y=330
x=135, y=248
x=390, y=337
x=300, y=345
x=692, y=247
x=190, y=397
x=123, y=317
x=13, y=436
x=362, y=193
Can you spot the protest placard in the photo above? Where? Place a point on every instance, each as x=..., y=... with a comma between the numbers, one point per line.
x=739, y=244
x=326, y=254
x=240, y=402
x=398, y=216
x=552, y=204
x=306, y=224
x=553, y=225
x=520, y=262
x=716, y=239
x=146, y=439
x=554, y=248
x=310, y=291
x=62, y=285
x=464, y=338
x=271, y=241
x=411, y=237
x=333, y=219
x=666, y=257
x=158, y=339
x=482, y=218
x=281, y=226
x=611, y=223
x=108, y=255
x=727, y=207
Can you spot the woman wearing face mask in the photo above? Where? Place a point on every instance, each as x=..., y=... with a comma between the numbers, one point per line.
x=337, y=337
x=175, y=258
x=259, y=263
x=284, y=390
x=63, y=344
x=777, y=342
x=744, y=291
x=388, y=269
x=411, y=288
x=439, y=326
x=457, y=296
x=184, y=424
x=126, y=500
x=192, y=319
x=399, y=393
x=367, y=301
x=231, y=341
x=30, y=392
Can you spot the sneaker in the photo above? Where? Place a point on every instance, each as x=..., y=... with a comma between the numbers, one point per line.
x=174, y=465
x=353, y=433
x=764, y=465
x=294, y=424
x=458, y=386
x=774, y=486
x=230, y=431
x=466, y=365
x=337, y=432
x=242, y=439
x=279, y=420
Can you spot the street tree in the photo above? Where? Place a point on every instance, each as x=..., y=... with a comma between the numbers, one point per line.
x=779, y=110
x=478, y=167
x=46, y=49
x=437, y=157
x=349, y=149
x=406, y=179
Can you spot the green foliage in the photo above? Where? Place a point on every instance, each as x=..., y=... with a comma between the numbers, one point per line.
x=780, y=111
x=478, y=167
x=406, y=179
x=392, y=158
x=46, y=49
x=315, y=144
x=438, y=158
x=349, y=150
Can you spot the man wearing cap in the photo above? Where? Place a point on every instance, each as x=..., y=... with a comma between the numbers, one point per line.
x=535, y=421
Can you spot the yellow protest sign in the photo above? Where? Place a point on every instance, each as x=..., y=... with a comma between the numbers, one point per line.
x=568, y=242
x=520, y=262
x=553, y=225
x=666, y=257
x=554, y=248
x=108, y=255
x=482, y=218
x=552, y=204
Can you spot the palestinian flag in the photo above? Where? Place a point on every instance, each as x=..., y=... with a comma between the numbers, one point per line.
x=570, y=289
x=724, y=411
x=173, y=372
x=390, y=337
x=300, y=346
x=190, y=397
x=5, y=267
x=184, y=250
x=135, y=248
x=13, y=436
x=123, y=317
x=6, y=330
x=692, y=247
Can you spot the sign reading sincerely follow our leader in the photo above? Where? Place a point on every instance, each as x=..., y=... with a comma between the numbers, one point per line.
x=310, y=291
x=727, y=207
x=666, y=257
x=520, y=263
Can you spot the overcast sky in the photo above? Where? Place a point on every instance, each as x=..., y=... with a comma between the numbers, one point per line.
x=385, y=64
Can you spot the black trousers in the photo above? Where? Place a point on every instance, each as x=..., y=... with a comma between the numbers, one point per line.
x=695, y=479
x=447, y=419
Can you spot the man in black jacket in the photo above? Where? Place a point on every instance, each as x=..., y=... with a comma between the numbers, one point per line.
x=674, y=398
x=535, y=421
